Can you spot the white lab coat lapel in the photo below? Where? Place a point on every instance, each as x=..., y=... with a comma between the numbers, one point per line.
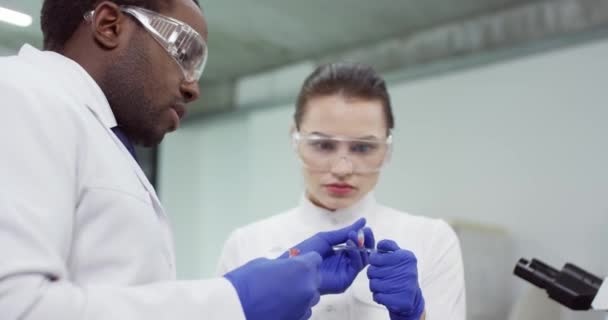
x=88, y=92
x=103, y=119
x=106, y=118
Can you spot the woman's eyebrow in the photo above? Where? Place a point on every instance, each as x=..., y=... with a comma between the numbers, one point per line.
x=368, y=137
x=325, y=135
x=317, y=133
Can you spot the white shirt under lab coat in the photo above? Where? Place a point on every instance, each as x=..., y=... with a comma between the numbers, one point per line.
x=434, y=243
x=82, y=232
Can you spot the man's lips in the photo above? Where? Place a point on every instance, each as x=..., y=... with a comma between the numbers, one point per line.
x=180, y=109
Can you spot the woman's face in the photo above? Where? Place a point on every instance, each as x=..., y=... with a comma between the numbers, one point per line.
x=342, y=183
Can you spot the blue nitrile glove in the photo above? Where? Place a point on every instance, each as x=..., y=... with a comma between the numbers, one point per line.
x=282, y=289
x=339, y=268
x=393, y=276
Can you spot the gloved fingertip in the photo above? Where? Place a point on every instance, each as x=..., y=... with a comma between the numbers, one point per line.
x=370, y=241
x=339, y=236
x=359, y=224
x=388, y=245
x=378, y=297
x=307, y=315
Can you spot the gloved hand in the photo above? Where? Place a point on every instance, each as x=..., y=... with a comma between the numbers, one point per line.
x=339, y=268
x=282, y=289
x=393, y=276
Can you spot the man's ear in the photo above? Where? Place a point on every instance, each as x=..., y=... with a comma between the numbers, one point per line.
x=107, y=24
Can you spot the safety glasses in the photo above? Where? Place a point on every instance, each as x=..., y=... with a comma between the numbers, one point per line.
x=186, y=46
x=321, y=153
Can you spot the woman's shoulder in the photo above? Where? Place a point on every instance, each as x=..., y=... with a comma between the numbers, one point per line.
x=431, y=239
x=434, y=228
x=386, y=212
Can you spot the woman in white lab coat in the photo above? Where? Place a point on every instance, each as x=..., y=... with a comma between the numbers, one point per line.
x=342, y=134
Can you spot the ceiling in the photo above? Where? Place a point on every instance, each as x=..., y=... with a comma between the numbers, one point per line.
x=251, y=36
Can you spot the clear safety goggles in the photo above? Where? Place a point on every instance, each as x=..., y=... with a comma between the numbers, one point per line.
x=321, y=153
x=186, y=46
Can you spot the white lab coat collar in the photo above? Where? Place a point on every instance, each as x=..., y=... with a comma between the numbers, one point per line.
x=66, y=70
x=313, y=215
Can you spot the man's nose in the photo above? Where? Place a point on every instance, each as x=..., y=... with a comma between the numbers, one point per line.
x=190, y=91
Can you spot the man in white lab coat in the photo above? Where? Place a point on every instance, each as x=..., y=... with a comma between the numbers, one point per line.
x=82, y=232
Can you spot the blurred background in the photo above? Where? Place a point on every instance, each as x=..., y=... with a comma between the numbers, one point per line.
x=501, y=127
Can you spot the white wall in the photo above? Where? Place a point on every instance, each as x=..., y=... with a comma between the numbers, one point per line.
x=521, y=144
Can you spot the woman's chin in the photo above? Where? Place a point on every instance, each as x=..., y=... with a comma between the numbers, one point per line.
x=335, y=203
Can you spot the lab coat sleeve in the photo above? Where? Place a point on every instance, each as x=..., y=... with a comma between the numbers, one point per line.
x=443, y=285
x=38, y=194
x=229, y=258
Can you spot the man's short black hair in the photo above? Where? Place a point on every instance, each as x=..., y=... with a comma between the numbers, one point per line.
x=59, y=19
